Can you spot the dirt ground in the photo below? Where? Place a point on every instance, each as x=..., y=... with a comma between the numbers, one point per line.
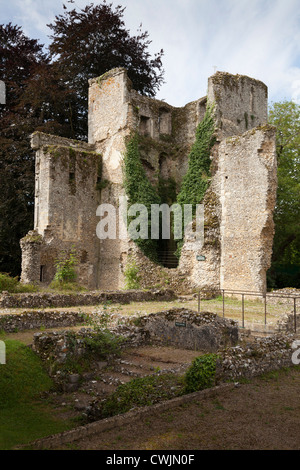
x=261, y=415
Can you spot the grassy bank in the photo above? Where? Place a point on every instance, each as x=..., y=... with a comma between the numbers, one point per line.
x=24, y=416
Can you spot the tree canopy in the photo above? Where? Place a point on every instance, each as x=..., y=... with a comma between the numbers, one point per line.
x=47, y=89
x=20, y=57
x=87, y=43
x=286, y=249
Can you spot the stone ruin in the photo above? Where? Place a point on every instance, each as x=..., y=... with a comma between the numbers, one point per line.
x=73, y=178
x=179, y=328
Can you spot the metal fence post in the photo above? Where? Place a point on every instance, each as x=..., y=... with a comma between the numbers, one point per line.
x=243, y=312
x=223, y=299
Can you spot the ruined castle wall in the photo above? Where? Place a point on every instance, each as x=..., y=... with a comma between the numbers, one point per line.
x=238, y=216
x=66, y=199
x=238, y=224
x=110, y=117
x=247, y=181
x=241, y=103
x=200, y=260
x=166, y=135
x=72, y=182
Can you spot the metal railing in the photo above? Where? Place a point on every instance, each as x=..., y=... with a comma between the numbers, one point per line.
x=244, y=294
x=168, y=259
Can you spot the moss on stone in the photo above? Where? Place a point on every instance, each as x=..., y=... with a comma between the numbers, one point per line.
x=109, y=74
x=33, y=237
x=232, y=81
x=179, y=120
x=102, y=184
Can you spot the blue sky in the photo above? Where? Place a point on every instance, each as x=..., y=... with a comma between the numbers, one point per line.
x=258, y=38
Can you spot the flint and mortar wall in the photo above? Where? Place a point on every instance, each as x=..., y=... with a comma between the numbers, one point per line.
x=238, y=204
x=53, y=300
x=66, y=199
x=109, y=126
x=241, y=103
x=166, y=135
x=247, y=183
x=236, y=360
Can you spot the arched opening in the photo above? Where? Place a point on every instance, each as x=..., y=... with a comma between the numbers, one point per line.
x=167, y=191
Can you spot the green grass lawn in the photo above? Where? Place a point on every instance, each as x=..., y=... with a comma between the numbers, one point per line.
x=24, y=415
x=253, y=309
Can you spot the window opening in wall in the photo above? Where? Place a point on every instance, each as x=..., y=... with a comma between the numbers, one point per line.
x=84, y=257
x=164, y=170
x=252, y=99
x=42, y=273
x=165, y=122
x=149, y=170
x=72, y=183
x=72, y=176
x=145, y=125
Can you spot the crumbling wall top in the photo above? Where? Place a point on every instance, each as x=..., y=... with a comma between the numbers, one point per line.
x=241, y=103
x=40, y=139
x=229, y=80
x=110, y=74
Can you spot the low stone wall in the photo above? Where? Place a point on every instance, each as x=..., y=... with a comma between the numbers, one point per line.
x=11, y=323
x=59, y=345
x=181, y=328
x=252, y=359
x=245, y=360
x=206, y=332
x=188, y=329
x=44, y=300
x=284, y=296
x=55, y=348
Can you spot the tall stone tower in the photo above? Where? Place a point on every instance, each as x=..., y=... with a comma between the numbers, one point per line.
x=74, y=178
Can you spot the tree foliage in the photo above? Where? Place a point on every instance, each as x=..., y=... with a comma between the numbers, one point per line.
x=20, y=57
x=47, y=92
x=89, y=42
x=286, y=250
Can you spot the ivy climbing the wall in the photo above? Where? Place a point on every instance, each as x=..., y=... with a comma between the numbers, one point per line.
x=139, y=191
x=196, y=180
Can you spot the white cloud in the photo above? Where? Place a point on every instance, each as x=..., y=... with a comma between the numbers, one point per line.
x=32, y=15
x=260, y=38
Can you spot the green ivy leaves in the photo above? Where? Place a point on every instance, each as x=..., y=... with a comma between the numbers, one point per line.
x=194, y=185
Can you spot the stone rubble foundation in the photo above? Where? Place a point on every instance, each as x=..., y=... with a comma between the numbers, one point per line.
x=206, y=332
